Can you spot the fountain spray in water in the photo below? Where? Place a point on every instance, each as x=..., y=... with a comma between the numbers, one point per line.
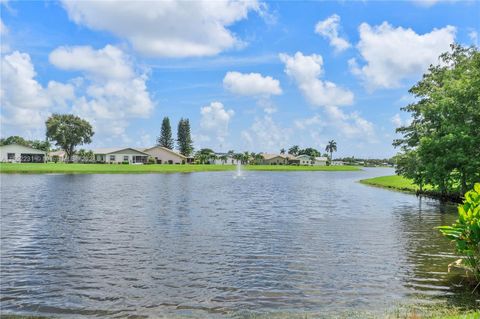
x=239, y=170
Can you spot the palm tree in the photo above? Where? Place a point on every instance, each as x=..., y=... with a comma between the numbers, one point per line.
x=246, y=157
x=331, y=147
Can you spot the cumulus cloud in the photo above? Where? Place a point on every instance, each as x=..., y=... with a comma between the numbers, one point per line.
x=329, y=28
x=251, y=84
x=266, y=135
x=109, y=91
x=167, y=28
x=314, y=121
x=392, y=55
x=25, y=102
x=113, y=91
x=351, y=125
x=306, y=70
x=107, y=63
x=214, y=121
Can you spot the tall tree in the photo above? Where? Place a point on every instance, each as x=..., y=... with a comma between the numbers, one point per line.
x=440, y=146
x=309, y=151
x=184, y=139
x=165, y=139
x=68, y=131
x=282, y=151
x=294, y=150
x=331, y=147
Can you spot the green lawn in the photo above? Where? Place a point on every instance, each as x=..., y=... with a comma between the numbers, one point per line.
x=394, y=182
x=155, y=168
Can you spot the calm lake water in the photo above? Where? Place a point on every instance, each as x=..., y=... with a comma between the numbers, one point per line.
x=211, y=245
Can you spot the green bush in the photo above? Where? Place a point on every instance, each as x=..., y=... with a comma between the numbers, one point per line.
x=465, y=232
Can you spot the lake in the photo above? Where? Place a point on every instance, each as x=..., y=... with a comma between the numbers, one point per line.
x=212, y=245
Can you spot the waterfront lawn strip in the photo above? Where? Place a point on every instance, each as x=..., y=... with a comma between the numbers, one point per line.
x=154, y=168
x=394, y=182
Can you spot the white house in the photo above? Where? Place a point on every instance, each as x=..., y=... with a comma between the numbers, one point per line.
x=120, y=155
x=163, y=155
x=307, y=160
x=16, y=153
x=337, y=163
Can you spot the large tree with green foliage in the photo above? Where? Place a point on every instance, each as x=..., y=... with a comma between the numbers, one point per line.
x=39, y=145
x=309, y=151
x=165, y=139
x=184, y=139
x=441, y=145
x=294, y=150
x=68, y=131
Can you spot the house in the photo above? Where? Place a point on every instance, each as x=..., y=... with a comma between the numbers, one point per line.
x=337, y=163
x=57, y=156
x=320, y=161
x=119, y=155
x=273, y=159
x=308, y=160
x=163, y=155
x=16, y=153
x=223, y=159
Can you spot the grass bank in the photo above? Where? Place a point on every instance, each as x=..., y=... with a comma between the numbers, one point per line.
x=400, y=183
x=154, y=168
x=395, y=182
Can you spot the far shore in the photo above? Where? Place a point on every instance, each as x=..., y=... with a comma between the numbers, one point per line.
x=402, y=184
x=62, y=168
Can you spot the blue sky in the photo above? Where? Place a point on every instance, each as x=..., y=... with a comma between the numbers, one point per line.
x=250, y=75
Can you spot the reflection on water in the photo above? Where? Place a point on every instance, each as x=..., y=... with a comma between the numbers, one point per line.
x=206, y=243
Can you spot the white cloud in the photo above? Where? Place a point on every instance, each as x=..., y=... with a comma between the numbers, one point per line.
x=107, y=63
x=396, y=54
x=215, y=120
x=251, y=84
x=167, y=28
x=431, y=3
x=25, y=102
x=3, y=28
x=351, y=125
x=109, y=91
x=113, y=91
x=397, y=121
x=328, y=28
x=473, y=35
x=266, y=135
x=306, y=70
x=314, y=121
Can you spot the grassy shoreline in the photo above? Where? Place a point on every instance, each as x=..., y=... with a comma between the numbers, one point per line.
x=61, y=168
x=402, y=184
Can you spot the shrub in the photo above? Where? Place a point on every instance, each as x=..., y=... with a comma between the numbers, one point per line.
x=125, y=162
x=465, y=232
x=151, y=160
